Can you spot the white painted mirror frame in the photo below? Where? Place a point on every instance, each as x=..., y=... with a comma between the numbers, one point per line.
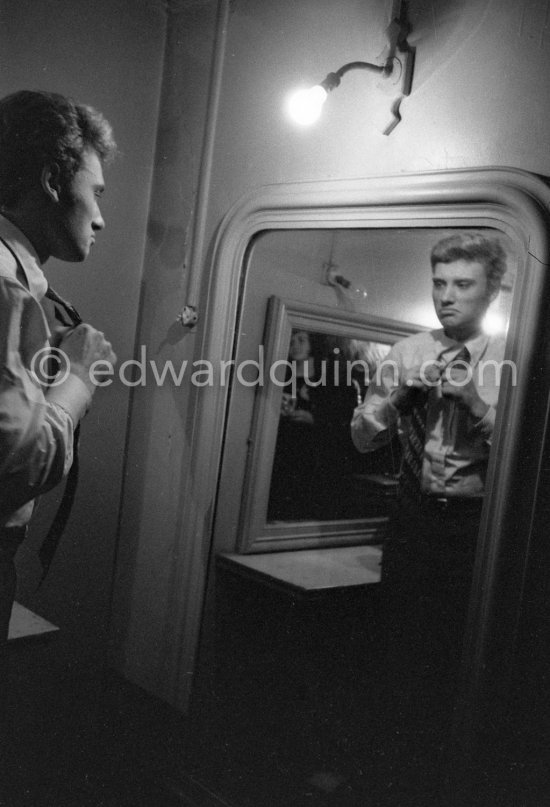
x=513, y=201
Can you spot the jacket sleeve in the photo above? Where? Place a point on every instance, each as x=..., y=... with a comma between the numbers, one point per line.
x=36, y=436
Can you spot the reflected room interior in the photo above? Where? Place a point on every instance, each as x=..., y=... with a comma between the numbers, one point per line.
x=316, y=468
x=317, y=473
x=297, y=607
x=350, y=293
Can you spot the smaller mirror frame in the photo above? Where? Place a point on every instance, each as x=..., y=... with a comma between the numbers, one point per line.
x=256, y=533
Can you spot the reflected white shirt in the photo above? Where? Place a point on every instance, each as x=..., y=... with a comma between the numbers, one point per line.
x=456, y=450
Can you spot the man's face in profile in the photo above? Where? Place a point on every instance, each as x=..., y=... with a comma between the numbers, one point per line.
x=78, y=216
x=461, y=296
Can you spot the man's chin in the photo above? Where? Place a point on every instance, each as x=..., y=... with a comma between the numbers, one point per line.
x=451, y=321
x=77, y=255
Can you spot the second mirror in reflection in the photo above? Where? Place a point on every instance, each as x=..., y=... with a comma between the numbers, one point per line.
x=317, y=472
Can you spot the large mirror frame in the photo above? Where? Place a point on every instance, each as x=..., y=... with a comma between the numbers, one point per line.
x=514, y=201
x=257, y=534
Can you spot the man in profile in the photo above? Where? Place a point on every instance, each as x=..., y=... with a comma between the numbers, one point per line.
x=51, y=156
x=439, y=390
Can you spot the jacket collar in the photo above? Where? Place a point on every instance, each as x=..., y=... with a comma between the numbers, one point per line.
x=26, y=256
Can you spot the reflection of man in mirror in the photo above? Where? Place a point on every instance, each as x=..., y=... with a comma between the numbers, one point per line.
x=439, y=389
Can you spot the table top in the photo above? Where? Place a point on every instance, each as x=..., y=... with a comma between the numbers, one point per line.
x=311, y=570
x=25, y=624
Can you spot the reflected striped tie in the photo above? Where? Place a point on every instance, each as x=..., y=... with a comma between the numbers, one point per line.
x=463, y=356
x=462, y=362
x=413, y=451
x=410, y=479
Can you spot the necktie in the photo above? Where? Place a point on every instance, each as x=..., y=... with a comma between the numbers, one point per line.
x=462, y=362
x=413, y=451
x=68, y=315
x=62, y=307
x=463, y=356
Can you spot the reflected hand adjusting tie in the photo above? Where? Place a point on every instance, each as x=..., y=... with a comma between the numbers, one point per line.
x=69, y=316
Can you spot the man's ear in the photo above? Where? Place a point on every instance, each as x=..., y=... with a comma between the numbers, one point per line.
x=50, y=179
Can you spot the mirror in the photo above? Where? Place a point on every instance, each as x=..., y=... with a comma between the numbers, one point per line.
x=306, y=485
x=317, y=472
x=280, y=244
x=306, y=478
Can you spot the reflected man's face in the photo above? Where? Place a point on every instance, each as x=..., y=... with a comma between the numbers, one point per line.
x=461, y=296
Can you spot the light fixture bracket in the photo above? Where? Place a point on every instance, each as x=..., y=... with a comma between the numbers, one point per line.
x=331, y=82
x=397, y=84
x=394, y=67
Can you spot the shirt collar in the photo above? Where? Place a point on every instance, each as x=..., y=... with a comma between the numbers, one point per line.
x=26, y=256
x=476, y=346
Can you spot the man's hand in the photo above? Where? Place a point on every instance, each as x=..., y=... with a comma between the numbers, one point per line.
x=457, y=383
x=83, y=346
x=415, y=386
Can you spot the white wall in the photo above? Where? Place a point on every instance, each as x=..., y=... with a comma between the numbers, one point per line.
x=147, y=586
x=477, y=96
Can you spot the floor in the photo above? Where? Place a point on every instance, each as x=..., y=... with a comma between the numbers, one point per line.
x=85, y=738
x=85, y=745
x=78, y=737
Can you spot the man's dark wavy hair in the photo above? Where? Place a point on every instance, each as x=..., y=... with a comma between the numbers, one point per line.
x=42, y=128
x=487, y=250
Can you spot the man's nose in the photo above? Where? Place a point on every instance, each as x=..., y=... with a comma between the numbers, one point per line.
x=447, y=295
x=98, y=222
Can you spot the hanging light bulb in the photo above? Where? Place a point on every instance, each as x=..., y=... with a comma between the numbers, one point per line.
x=304, y=106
